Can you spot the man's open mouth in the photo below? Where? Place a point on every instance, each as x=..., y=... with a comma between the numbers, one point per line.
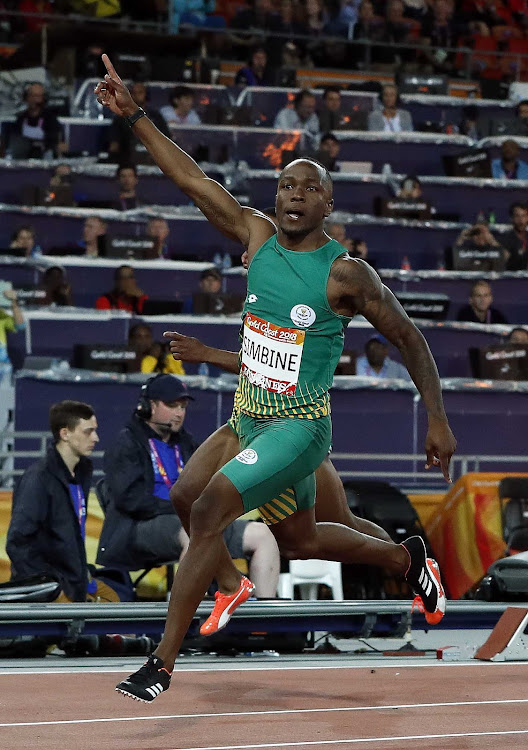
x=294, y=215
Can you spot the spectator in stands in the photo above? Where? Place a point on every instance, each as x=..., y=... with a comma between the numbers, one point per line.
x=301, y=117
x=153, y=356
x=359, y=249
x=158, y=230
x=515, y=241
x=126, y=295
x=375, y=363
x=479, y=309
x=24, y=238
x=518, y=335
x=509, y=166
x=337, y=232
x=36, y=132
x=477, y=235
x=441, y=31
x=410, y=188
x=369, y=26
x=93, y=243
x=128, y=182
x=256, y=72
x=61, y=177
x=520, y=125
x=9, y=323
x=330, y=115
x=57, y=287
x=46, y=535
x=122, y=140
x=328, y=152
x=259, y=17
x=141, y=527
x=180, y=110
x=395, y=31
x=210, y=283
x=390, y=119
x=469, y=125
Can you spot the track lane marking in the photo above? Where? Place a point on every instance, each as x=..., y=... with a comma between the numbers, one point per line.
x=6, y=672
x=279, y=712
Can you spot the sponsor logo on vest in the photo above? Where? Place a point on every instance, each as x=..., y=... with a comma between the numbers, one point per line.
x=252, y=298
x=302, y=315
x=247, y=456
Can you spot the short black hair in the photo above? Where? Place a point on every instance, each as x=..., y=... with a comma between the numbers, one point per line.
x=329, y=137
x=135, y=328
x=178, y=91
x=517, y=204
x=68, y=414
x=126, y=166
x=300, y=95
x=118, y=270
x=331, y=90
x=327, y=178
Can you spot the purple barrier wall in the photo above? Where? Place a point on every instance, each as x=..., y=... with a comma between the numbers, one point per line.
x=485, y=423
x=56, y=337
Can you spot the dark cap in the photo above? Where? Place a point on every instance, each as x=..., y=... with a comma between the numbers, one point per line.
x=167, y=388
x=379, y=339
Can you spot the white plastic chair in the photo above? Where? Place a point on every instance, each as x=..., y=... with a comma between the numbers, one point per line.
x=308, y=574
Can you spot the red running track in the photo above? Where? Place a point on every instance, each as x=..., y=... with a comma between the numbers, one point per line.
x=440, y=707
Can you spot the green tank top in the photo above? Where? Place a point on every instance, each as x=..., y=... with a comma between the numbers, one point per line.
x=291, y=338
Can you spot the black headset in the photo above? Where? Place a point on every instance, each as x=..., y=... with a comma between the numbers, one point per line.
x=144, y=407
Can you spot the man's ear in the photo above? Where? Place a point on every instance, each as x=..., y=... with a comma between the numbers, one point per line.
x=329, y=208
x=64, y=434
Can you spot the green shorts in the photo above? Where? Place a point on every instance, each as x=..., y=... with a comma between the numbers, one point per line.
x=277, y=462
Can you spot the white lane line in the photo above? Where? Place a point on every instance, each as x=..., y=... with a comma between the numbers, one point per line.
x=355, y=741
x=452, y=704
x=180, y=669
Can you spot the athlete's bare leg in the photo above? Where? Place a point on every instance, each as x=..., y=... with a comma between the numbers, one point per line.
x=215, y=452
x=300, y=538
x=331, y=503
x=218, y=506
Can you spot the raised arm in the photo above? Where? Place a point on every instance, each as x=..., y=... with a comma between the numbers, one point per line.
x=190, y=349
x=379, y=306
x=215, y=202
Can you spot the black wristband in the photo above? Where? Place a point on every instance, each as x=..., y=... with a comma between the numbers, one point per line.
x=138, y=114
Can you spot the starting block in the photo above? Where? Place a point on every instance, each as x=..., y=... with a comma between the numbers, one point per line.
x=508, y=640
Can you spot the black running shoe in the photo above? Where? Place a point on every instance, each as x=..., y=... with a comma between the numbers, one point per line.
x=148, y=682
x=423, y=575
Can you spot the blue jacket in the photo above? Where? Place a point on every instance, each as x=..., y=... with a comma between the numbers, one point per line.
x=497, y=172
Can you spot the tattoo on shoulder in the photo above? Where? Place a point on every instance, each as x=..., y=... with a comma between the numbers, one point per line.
x=215, y=213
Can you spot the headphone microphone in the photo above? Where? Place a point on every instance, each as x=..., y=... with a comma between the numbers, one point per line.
x=163, y=424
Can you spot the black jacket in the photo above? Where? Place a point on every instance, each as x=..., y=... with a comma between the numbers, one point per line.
x=44, y=536
x=129, y=489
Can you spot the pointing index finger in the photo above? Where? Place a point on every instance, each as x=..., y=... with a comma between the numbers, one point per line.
x=109, y=67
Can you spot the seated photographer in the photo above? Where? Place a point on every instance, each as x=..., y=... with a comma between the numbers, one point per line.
x=477, y=236
x=141, y=528
x=376, y=363
x=46, y=535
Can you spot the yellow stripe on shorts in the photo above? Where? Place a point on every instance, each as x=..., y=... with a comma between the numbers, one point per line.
x=279, y=509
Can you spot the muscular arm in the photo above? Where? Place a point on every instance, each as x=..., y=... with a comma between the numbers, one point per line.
x=365, y=294
x=215, y=202
x=190, y=349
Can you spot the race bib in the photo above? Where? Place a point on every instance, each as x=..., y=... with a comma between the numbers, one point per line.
x=271, y=355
